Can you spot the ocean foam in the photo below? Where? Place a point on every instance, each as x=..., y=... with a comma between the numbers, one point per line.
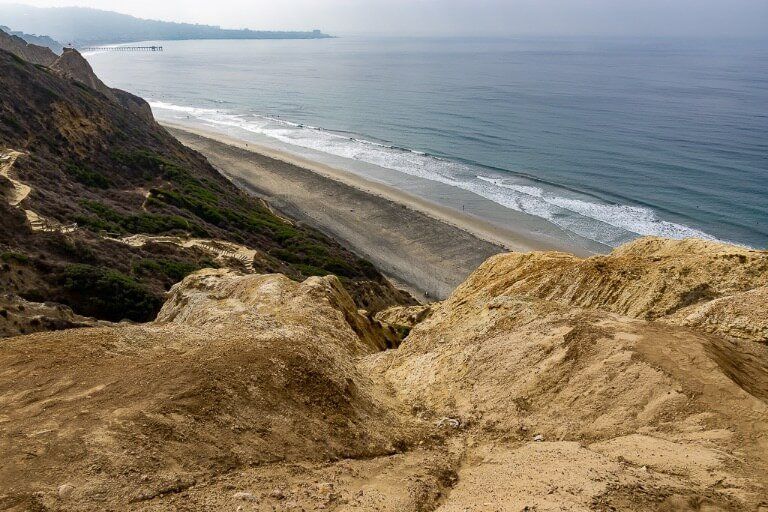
x=634, y=219
x=610, y=224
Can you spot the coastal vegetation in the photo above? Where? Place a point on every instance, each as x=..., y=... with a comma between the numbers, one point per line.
x=108, y=294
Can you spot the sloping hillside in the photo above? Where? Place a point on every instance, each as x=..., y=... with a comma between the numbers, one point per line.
x=85, y=168
x=260, y=393
x=35, y=54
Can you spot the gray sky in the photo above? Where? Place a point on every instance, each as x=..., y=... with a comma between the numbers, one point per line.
x=458, y=17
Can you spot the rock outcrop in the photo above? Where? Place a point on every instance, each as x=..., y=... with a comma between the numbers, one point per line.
x=19, y=316
x=680, y=282
x=73, y=65
x=222, y=299
x=258, y=392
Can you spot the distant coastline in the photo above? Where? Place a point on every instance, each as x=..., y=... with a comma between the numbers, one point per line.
x=80, y=26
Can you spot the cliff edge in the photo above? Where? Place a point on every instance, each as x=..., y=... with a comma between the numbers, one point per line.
x=261, y=393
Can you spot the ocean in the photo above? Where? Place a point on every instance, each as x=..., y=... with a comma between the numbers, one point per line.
x=595, y=140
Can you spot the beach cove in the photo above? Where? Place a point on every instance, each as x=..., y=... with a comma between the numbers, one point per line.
x=424, y=247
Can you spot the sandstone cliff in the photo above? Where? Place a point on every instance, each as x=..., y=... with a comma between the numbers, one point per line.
x=718, y=287
x=261, y=393
x=73, y=65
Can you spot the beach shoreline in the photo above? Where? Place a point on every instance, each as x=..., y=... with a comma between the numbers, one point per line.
x=425, y=248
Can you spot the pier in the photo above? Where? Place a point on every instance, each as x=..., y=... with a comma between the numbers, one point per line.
x=122, y=49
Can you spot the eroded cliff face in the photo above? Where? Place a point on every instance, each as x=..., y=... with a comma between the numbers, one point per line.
x=267, y=394
x=550, y=345
x=716, y=286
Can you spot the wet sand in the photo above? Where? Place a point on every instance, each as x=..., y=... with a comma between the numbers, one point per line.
x=423, y=247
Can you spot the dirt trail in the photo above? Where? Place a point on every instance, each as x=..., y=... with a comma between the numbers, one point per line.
x=217, y=248
x=20, y=190
x=19, y=193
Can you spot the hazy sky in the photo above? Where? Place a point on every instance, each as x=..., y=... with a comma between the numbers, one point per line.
x=460, y=17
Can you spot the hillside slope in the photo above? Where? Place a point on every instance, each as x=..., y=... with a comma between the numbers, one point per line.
x=35, y=54
x=84, y=170
x=259, y=393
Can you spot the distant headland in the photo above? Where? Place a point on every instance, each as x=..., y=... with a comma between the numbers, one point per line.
x=82, y=26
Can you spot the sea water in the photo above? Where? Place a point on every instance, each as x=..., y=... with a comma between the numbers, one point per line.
x=596, y=140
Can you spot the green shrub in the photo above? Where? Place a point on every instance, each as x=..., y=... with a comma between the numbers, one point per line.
x=71, y=248
x=202, y=209
x=368, y=269
x=175, y=271
x=402, y=330
x=339, y=267
x=314, y=258
x=18, y=59
x=309, y=270
x=107, y=219
x=109, y=294
x=15, y=257
x=10, y=120
x=87, y=177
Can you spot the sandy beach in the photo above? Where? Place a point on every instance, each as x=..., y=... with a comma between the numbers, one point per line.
x=426, y=248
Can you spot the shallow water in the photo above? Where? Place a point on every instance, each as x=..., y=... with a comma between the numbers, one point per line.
x=602, y=140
